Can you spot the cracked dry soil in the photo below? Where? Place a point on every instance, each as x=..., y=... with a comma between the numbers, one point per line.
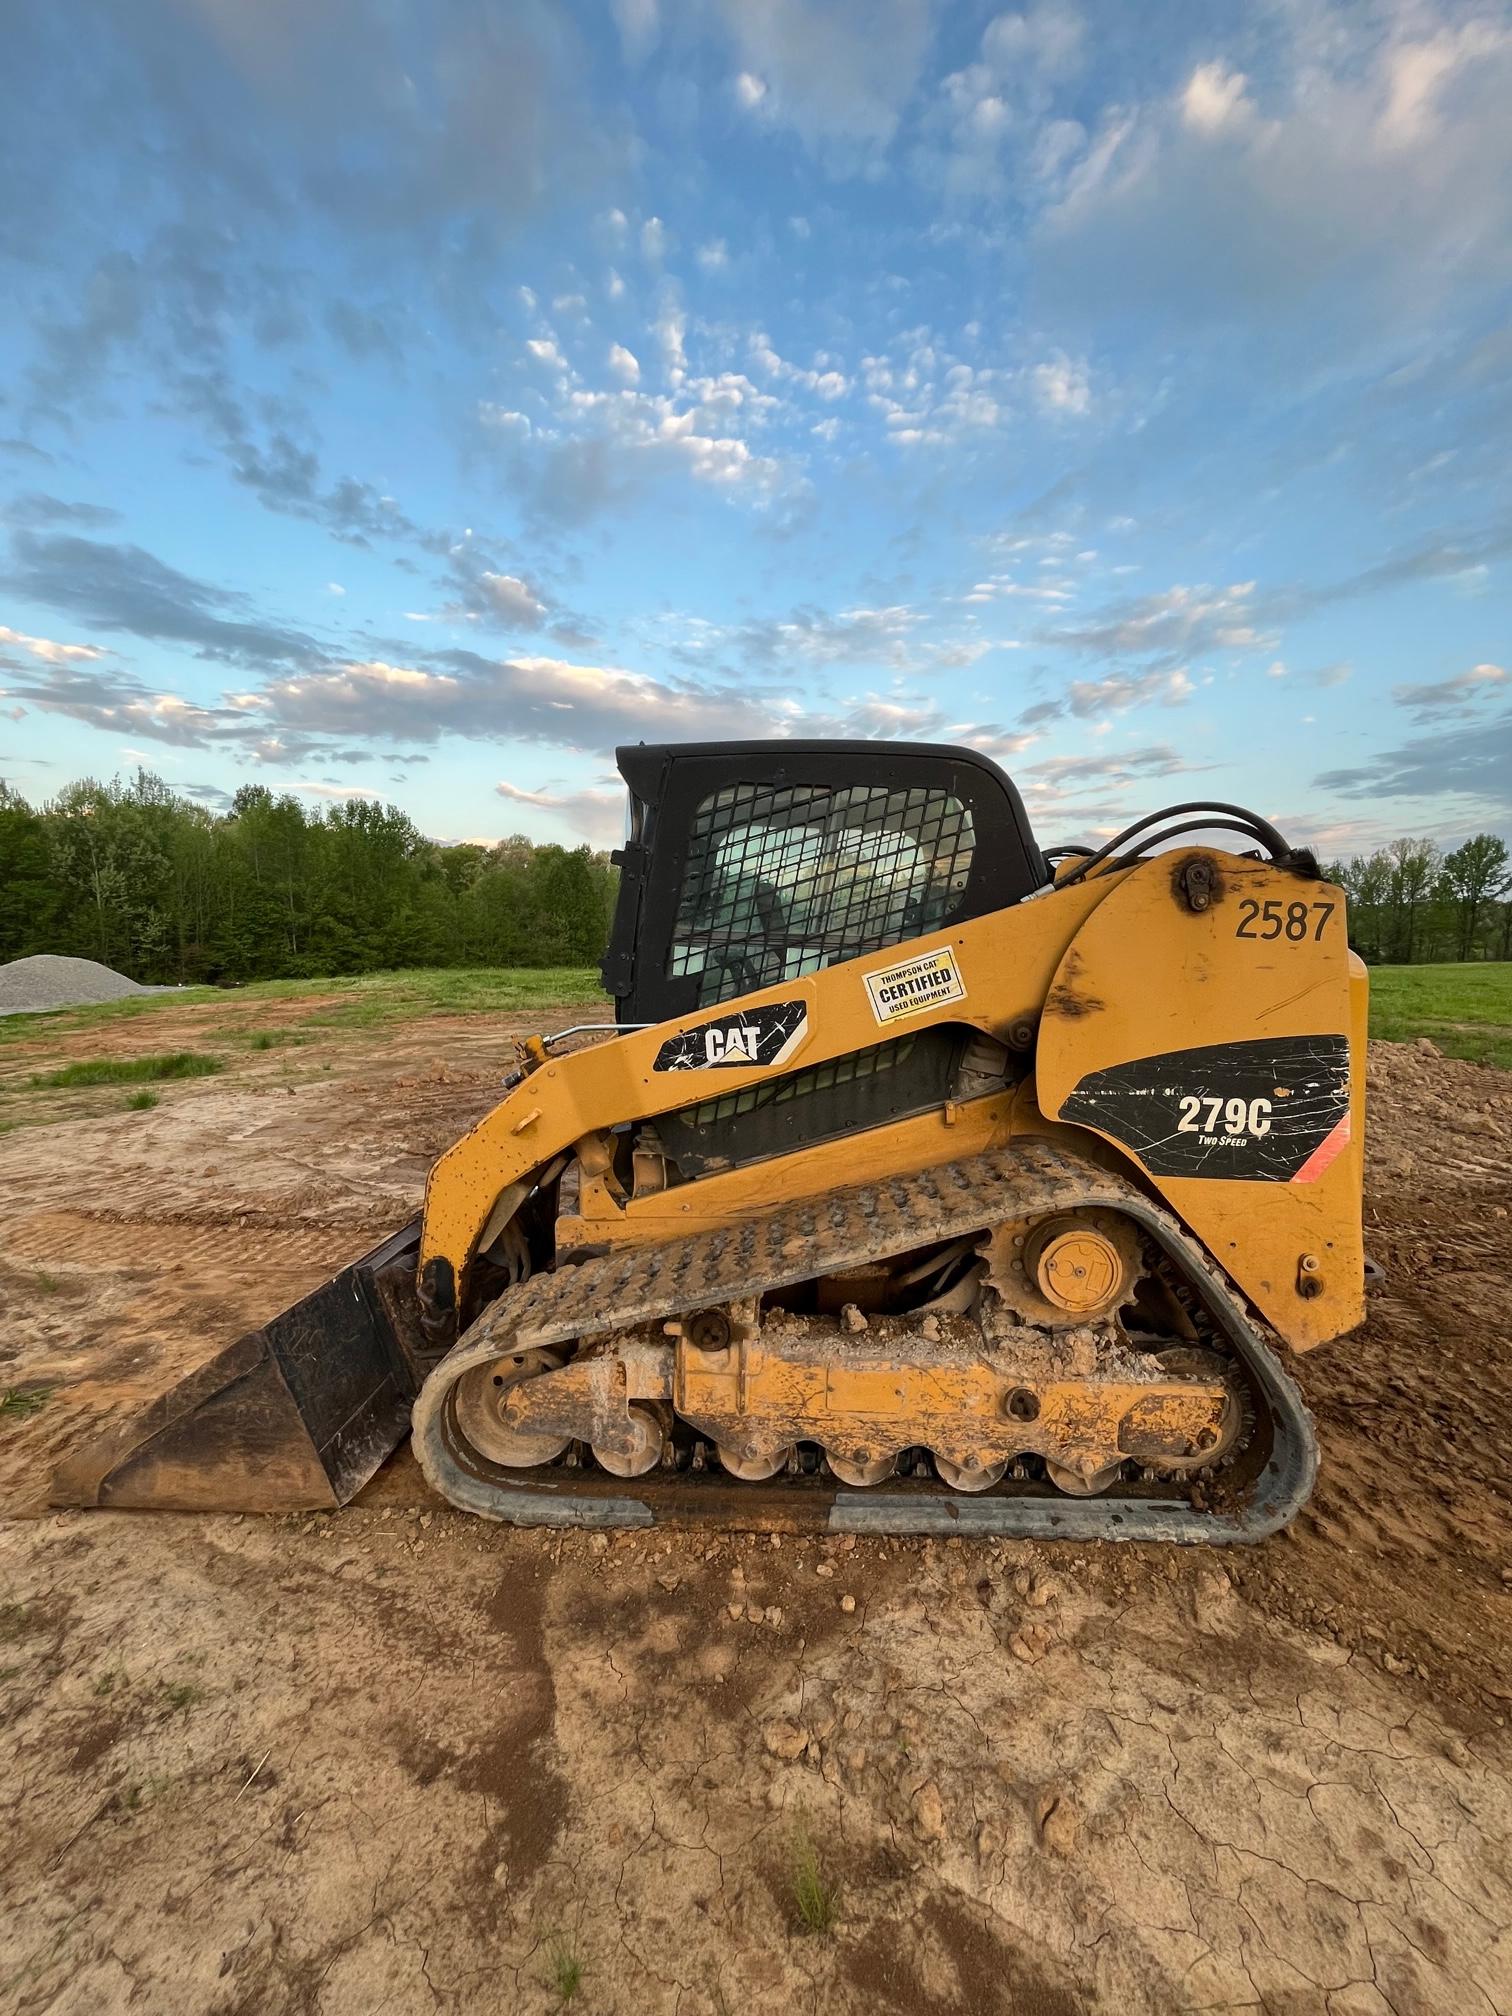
x=394, y=1760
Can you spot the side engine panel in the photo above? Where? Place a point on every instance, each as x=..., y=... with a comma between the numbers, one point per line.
x=1210, y=1025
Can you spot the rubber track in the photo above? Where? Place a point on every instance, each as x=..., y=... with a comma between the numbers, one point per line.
x=868, y=1221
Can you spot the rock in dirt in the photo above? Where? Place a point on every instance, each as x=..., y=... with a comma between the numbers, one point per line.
x=1058, y=1820
x=928, y=1812
x=783, y=1738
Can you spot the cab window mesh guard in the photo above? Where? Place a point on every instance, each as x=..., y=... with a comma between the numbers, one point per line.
x=785, y=879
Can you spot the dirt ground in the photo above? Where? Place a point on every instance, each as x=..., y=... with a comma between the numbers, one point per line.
x=394, y=1760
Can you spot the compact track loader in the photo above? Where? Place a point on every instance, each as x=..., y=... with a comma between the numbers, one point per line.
x=925, y=1183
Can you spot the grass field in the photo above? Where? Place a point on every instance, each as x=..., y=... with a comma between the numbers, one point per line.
x=1467, y=1010
x=362, y=1001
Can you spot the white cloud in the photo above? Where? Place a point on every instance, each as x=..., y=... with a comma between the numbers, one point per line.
x=715, y=256
x=614, y=286
x=46, y=651
x=1380, y=168
x=1120, y=691
x=624, y=363
x=1214, y=98
x=838, y=72
x=545, y=351
x=1180, y=622
x=1451, y=696
x=1062, y=386
x=598, y=816
x=502, y=418
x=512, y=599
x=654, y=239
x=820, y=378
x=1004, y=99
x=670, y=330
x=334, y=588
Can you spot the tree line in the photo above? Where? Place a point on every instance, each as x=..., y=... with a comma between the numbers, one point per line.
x=1413, y=902
x=165, y=890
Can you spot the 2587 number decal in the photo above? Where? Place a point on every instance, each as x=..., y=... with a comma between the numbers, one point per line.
x=1275, y=920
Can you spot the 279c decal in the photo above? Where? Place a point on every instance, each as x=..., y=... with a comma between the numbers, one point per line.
x=1269, y=1110
x=1239, y=1116
x=1295, y=921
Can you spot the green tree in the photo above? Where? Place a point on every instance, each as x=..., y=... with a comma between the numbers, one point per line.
x=1474, y=873
x=28, y=889
x=1414, y=866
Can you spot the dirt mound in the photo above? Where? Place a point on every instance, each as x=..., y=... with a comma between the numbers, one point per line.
x=30, y=986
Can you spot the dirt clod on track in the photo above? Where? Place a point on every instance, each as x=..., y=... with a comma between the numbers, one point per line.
x=393, y=1759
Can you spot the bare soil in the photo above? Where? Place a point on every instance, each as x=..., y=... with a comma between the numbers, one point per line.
x=391, y=1759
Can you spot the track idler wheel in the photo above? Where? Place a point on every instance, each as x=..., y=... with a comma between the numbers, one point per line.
x=971, y=1475
x=1079, y=1484
x=647, y=1440
x=480, y=1404
x=861, y=1473
x=751, y=1464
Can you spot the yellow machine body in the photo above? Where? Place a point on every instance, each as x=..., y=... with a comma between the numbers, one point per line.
x=1102, y=974
x=998, y=1222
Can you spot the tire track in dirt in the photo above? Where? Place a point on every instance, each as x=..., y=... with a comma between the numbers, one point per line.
x=79, y=1239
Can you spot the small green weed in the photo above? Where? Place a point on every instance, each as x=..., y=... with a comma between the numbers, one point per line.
x=24, y=1400
x=814, y=1896
x=112, y=1678
x=130, y=1070
x=131, y=1798
x=141, y=1102
x=566, y=1967
x=181, y=1694
x=16, y=1621
x=45, y=1283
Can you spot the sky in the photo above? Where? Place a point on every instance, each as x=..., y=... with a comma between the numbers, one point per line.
x=418, y=400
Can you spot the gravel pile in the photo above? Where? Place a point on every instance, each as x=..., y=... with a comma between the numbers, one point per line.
x=46, y=981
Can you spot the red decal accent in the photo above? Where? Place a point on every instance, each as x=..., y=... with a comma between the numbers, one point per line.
x=1333, y=1144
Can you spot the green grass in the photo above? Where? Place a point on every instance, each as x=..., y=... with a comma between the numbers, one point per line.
x=814, y=1897
x=130, y=1070
x=18, y=1402
x=566, y=1970
x=355, y=1001
x=180, y=1694
x=141, y=1102
x=1465, y=1009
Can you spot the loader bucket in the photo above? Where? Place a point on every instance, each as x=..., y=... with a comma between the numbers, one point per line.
x=295, y=1416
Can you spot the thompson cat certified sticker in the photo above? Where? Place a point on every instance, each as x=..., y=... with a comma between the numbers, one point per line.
x=917, y=984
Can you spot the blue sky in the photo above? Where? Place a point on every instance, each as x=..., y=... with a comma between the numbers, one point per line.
x=418, y=400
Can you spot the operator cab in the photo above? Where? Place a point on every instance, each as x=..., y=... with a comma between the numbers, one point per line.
x=750, y=863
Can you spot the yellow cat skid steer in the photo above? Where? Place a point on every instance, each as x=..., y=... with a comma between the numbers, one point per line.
x=925, y=1183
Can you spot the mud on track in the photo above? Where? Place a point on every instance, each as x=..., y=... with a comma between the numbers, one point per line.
x=390, y=1758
